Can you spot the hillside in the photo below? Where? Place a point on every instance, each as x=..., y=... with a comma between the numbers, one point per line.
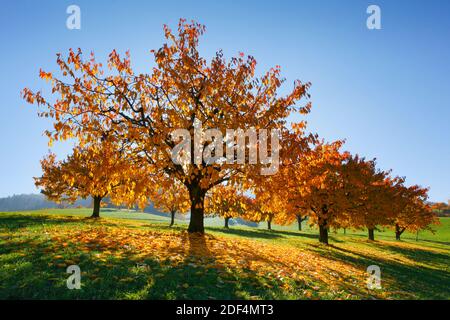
x=25, y=202
x=22, y=202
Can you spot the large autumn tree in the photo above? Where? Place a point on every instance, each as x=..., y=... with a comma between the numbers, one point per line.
x=181, y=91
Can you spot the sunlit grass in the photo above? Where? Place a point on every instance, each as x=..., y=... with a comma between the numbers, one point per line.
x=132, y=255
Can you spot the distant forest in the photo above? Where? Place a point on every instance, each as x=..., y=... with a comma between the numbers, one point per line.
x=23, y=202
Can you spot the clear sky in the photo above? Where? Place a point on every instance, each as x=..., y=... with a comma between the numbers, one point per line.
x=386, y=91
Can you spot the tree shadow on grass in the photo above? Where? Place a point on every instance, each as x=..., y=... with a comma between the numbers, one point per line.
x=104, y=210
x=419, y=255
x=437, y=242
x=198, y=275
x=201, y=276
x=14, y=222
x=263, y=234
x=413, y=281
x=29, y=271
x=268, y=234
x=385, y=235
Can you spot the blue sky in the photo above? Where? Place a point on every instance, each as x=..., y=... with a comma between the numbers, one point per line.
x=386, y=91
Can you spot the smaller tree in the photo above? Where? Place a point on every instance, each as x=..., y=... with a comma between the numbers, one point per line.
x=227, y=202
x=171, y=196
x=266, y=206
x=300, y=220
x=371, y=194
x=96, y=170
x=440, y=206
x=315, y=184
x=290, y=213
x=413, y=213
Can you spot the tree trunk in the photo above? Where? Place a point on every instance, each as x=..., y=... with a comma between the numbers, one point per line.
x=398, y=232
x=323, y=226
x=172, y=218
x=96, y=212
x=227, y=219
x=197, y=197
x=323, y=233
x=299, y=220
x=371, y=234
x=269, y=224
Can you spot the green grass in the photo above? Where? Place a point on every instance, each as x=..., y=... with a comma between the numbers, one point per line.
x=128, y=255
x=442, y=231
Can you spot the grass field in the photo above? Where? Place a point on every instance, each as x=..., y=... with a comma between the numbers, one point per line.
x=132, y=255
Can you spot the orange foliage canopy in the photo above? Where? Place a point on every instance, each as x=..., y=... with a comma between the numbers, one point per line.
x=180, y=90
x=170, y=196
x=412, y=211
x=227, y=202
x=96, y=170
x=338, y=190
